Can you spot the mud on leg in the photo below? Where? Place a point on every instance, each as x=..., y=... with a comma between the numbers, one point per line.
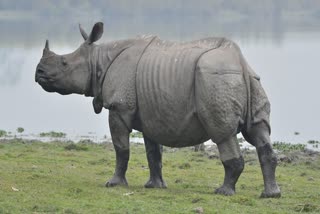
x=233, y=165
x=120, y=139
x=154, y=156
x=259, y=136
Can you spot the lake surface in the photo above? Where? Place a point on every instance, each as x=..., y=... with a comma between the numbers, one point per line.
x=286, y=58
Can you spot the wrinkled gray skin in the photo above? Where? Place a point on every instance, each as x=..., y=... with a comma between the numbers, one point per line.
x=145, y=85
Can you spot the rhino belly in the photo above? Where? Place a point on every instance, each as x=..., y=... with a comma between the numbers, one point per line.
x=166, y=97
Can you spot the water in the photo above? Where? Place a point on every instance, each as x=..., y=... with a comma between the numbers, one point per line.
x=283, y=51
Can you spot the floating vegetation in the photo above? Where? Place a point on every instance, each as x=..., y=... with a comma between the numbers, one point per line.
x=241, y=140
x=53, y=134
x=313, y=142
x=136, y=134
x=282, y=146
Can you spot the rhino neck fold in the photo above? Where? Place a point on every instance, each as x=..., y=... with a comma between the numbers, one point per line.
x=100, y=60
x=88, y=89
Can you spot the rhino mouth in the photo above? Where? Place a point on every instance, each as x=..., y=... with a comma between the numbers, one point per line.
x=41, y=77
x=45, y=85
x=43, y=80
x=51, y=88
x=48, y=85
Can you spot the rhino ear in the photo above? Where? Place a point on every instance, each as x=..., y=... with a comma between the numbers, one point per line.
x=83, y=33
x=96, y=33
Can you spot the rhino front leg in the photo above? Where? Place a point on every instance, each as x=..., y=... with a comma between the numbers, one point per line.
x=154, y=156
x=233, y=163
x=259, y=136
x=120, y=139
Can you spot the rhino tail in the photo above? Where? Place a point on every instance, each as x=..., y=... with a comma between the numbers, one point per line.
x=246, y=76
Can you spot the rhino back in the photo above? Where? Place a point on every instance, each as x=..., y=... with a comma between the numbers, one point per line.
x=165, y=92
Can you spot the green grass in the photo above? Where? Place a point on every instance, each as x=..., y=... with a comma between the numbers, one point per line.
x=59, y=178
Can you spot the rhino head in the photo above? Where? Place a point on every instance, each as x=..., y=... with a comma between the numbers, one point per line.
x=69, y=73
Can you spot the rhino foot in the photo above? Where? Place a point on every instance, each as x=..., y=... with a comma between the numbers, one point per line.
x=271, y=194
x=223, y=190
x=155, y=183
x=117, y=181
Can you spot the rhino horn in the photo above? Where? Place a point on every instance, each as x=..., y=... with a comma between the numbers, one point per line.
x=46, y=50
x=47, y=45
x=83, y=33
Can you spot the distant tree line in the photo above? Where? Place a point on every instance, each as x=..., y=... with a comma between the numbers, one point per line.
x=154, y=7
x=30, y=21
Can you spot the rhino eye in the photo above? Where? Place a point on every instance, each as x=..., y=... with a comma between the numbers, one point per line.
x=64, y=61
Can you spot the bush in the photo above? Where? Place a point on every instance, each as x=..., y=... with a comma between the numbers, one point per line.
x=20, y=129
x=3, y=133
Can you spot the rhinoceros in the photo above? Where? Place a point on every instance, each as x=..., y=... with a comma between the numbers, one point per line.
x=176, y=94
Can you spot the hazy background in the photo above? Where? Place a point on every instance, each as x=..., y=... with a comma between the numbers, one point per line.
x=279, y=38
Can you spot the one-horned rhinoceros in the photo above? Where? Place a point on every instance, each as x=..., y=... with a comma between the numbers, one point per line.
x=176, y=94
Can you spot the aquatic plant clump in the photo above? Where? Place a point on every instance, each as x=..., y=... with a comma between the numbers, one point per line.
x=136, y=134
x=313, y=142
x=53, y=134
x=282, y=146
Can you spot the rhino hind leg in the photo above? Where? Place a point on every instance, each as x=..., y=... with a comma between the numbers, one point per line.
x=259, y=136
x=154, y=156
x=233, y=165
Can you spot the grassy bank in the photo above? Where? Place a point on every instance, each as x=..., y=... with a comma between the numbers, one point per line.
x=57, y=177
